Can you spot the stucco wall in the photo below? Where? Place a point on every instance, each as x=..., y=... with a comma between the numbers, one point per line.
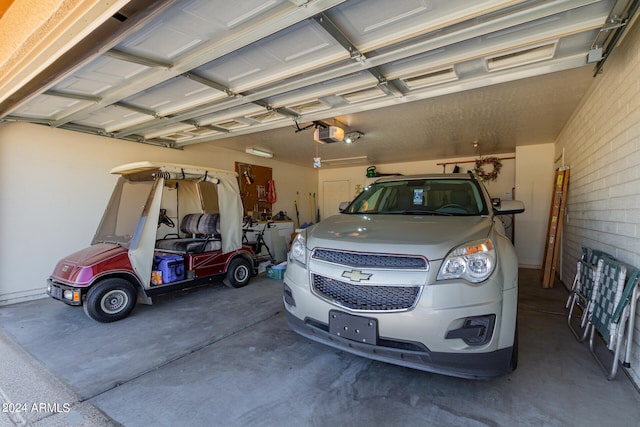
x=601, y=143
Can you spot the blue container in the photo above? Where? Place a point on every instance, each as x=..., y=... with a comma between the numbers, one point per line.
x=171, y=266
x=275, y=273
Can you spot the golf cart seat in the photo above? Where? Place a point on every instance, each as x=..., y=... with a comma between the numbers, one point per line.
x=204, y=229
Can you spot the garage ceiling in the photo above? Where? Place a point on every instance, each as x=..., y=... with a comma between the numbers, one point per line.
x=420, y=79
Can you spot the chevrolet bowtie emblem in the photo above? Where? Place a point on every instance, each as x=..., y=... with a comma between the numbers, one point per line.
x=356, y=275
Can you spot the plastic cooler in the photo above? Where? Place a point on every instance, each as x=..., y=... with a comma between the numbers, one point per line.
x=170, y=268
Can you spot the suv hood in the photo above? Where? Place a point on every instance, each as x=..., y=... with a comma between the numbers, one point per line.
x=430, y=236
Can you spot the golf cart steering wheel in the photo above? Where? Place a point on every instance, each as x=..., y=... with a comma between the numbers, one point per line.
x=164, y=219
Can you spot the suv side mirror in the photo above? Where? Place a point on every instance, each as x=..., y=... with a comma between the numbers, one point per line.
x=507, y=207
x=343, y=205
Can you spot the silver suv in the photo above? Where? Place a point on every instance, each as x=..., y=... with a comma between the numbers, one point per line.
x=416, y=271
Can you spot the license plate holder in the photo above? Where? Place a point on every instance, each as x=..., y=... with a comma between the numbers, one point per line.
x=355, y=328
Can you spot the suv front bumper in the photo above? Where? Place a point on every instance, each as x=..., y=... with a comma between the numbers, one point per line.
x=454, y=328
x=464, y=365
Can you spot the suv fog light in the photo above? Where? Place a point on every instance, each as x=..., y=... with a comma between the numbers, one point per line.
x=475, y=331
x=288, y=296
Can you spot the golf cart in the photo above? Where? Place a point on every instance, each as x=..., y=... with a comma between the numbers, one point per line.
x=137, y=253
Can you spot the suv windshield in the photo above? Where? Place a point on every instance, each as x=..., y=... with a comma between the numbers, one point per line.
x=421, y=197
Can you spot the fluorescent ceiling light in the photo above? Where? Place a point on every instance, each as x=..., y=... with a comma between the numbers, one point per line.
x=357, y=159
x=261, y=152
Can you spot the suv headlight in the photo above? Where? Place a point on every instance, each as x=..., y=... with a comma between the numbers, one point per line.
x=473, y=261
x=298, y=251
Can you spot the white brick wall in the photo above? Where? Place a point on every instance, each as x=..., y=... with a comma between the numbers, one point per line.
x=601, y=143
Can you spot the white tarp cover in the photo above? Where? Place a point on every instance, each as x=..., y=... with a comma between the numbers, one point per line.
x=230, y=205
x=143, y=243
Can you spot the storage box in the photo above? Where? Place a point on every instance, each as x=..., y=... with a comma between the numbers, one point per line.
x=171, y=268
x=275, y=273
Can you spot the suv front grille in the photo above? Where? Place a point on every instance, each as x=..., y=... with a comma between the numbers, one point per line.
x=366, y=297
x=370, y=260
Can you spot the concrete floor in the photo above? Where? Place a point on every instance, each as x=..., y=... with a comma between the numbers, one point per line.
x=215, y=356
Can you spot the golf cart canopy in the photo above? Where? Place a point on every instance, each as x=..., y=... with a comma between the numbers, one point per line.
x=158, y=174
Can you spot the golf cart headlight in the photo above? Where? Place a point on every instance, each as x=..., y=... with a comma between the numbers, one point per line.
x=474, y=261
x=298, y=251
x=71, y=295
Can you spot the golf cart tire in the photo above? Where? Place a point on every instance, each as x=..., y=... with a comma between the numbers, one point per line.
x=110, y=300
x=239, y=273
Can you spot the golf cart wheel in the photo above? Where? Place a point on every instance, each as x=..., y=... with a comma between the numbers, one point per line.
x=238, y=273
x=110, y=300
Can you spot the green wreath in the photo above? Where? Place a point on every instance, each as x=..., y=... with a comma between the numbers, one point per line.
x=488, y=176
